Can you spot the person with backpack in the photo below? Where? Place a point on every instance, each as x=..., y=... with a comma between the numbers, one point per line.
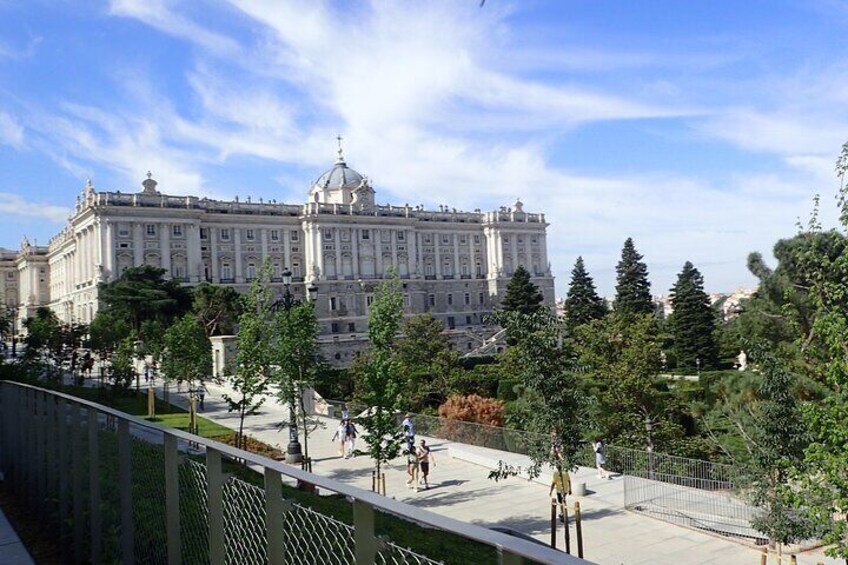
x=350, y=439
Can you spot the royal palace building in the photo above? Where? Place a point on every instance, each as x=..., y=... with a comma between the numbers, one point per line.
x=340, y=243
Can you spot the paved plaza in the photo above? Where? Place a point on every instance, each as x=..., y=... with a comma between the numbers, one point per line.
x=460, y=489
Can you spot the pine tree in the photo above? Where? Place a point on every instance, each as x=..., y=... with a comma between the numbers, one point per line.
x=632, y=289
x=693, y=321
x=521, y=294
x=582, y=304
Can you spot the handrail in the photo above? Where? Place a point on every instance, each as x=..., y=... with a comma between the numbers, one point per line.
x=502, y=542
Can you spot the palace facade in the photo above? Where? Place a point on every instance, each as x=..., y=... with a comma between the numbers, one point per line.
x=453, y=264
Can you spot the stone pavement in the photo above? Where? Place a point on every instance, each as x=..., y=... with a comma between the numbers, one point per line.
x=12, y=551
x=460, y=488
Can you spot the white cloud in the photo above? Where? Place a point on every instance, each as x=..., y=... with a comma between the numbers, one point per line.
x=11, y=132
x=14, y=204
x=156, y=14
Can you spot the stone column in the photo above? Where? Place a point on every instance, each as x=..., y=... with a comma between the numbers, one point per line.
x=165, y=247
x=438, y=259
x=213, y=255
x=287, y=260
x=108, y=242
x=354, y=238
x=456, y=269
x=138, y=244
x=528, y=249
x=378, y=252
x=194, y=257
x=472, y=260
x=263, y=235
x=239, y=275
x=543, y=252
x=412, y=255
x=394, y=244
x=513, y=240
x=338, y=247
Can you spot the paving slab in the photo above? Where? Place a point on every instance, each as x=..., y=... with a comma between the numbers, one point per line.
x=12, y=550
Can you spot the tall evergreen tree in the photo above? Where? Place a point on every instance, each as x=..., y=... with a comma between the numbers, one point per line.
x=521, y=294
x=693, y=321
x=632, y=289
x=582, y=304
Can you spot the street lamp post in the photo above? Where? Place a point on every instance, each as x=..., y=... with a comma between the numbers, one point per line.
x=294, y=452
x=698, y=366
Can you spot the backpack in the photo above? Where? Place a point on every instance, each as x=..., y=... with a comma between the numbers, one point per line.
x=350, y=431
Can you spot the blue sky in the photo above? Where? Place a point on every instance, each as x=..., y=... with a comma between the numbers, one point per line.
x=701, y=129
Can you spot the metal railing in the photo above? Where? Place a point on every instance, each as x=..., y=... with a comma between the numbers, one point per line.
x=116, y=488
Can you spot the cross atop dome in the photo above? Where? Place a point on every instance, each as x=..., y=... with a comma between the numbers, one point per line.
x=341, y=154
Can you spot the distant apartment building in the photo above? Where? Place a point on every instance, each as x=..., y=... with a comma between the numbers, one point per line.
x=452, y=264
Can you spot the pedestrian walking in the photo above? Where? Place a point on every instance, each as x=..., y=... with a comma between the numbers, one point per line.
x=201, y=394
x=350, y=439
x=345, y=412
x=339, y=436
x=412, y=469
x=600, y=458
x=146, y=373
x=425, y=459
x=562, y=483
x=409, y=431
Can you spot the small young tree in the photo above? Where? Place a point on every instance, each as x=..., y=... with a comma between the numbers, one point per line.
x=582, y=304
x=557, y=407
x=295, y=359
x=382, y=384
x=776, y=437
x=254, y=357
x=521, y=294
x=632, y=289
x=187, y=355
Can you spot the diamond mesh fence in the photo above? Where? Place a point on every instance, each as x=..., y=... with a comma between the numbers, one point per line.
x=194, y=532
x=391, y=554
x=147, y=481
x=244, y=523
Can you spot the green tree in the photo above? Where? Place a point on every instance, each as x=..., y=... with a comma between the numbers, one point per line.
x=142, y=293
x=381, y=386
x=43, y=332
x=556, y=408
x=632, y=289
x=693, y=322
x=295, y=356
x=255, y=354
x=521, y=294
x=426, y=360
x=217, y=308
x=776, y=436
x=582, y=303
x=187, y=353
x=622, y=357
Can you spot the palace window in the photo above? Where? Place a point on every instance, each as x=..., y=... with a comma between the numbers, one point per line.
x=226, y=271
x=151, y=229
x=482, y=298
x=476, y=239
x=295, y=235
x=328, y=235
x=225, y=234
x=123, y=230
x=450, y=299
x=296, y=270
x=351, y=327
x=333, y=304
x=401, y=236
x=467, y=299
x=177, y=230
x=204, y=233
x=275, y=235
x=445, y=239
x=251, y=271
x=249, y=235
x=366, y=234
x=432, y=299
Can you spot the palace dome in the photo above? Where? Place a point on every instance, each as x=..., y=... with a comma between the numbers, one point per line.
x=340, y=176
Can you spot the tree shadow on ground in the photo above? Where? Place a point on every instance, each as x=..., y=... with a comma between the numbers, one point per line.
x=450, y=498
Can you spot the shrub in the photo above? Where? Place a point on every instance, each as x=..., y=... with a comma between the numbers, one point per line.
x=473, y=408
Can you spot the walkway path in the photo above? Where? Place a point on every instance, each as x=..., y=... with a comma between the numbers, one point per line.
x=12, y=551
x=460, y=489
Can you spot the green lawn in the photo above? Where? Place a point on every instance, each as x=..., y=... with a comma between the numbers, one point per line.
x=135, y=404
